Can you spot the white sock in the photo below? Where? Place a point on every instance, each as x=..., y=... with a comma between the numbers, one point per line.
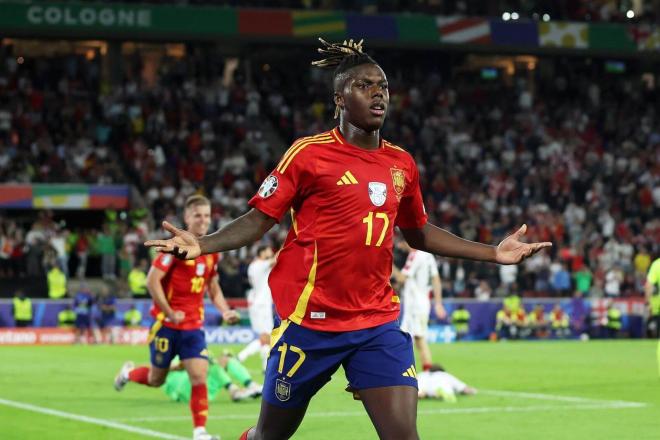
x=199, y=430
x=249, y=350
x=264, y=351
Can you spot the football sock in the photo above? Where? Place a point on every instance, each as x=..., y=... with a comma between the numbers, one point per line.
x=238, y=372
x=199, y=405
x=139, y=375
x=249, y=350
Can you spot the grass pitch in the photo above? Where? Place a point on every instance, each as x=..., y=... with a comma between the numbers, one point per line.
x=539, y=390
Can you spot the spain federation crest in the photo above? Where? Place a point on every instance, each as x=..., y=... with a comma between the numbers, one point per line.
x=282, y=390
x=377, y=193
x=398, y=181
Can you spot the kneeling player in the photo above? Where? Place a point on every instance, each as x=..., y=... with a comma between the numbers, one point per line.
x=438, y=384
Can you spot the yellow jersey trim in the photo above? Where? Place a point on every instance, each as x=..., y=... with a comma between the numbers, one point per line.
x=292, y=151
x=302, y=146
x=298, y=142
x=293, y=221
x=335, y=132
x=387, y=144
x=277, y=332
x=154, y=328
x=301, y=307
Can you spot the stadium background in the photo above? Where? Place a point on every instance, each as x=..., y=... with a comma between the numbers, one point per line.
x=111, y=114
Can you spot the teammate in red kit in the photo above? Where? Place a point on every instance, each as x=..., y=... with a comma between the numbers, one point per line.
x=177, y=288
x=346, y=189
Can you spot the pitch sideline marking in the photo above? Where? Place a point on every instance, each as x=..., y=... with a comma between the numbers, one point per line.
x=90, y=420
x=578, y=403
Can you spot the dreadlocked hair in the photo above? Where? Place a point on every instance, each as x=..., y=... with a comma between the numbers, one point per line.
x=342, y=57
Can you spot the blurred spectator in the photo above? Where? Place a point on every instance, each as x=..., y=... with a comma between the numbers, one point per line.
x=132, y=317
x=559, y=321
x=107, y=303
x=137, y=279
x=613, y=324
x=66, y=318
x=561, y=280
x=22, y=309
x=583, y=279
x=105, y=242
x=460, y=319
x=538, y=324
x=83, y=303
x=57, y=283
x=613, y=280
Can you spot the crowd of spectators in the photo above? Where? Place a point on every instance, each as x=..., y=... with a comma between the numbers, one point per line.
x=574, y=154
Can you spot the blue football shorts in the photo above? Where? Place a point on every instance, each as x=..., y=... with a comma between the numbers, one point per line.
x=302, y=361
x=166, y=343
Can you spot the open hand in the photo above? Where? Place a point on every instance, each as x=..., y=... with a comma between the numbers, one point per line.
x=177, y=316
x=182, y=245
x=440, y=311
x=231, y=316
x=512, y=251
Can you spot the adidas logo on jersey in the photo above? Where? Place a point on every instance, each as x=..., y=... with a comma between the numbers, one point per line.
x=410, y=372
x=347, y=179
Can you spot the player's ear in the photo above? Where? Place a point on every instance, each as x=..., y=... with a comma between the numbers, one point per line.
x=339, y=100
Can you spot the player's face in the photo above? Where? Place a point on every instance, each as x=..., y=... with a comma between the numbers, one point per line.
x=365, y=97
x=198, y=219
x=267, y=253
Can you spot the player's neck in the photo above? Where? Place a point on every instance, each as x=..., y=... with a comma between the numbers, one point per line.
x=369, y=140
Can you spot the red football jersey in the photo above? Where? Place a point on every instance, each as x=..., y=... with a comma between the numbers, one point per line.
x=333, y=271
x=184, y=285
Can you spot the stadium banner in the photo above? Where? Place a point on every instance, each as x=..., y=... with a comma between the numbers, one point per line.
x=462, y=30
x=444, y=334
x=65, y=336
x=514, y=33
x=64, y=196
x=415, y=28
x=122, y=336
x=612, y=36
x=119, y=20
x=169, y=21
x=584, y=314
x=313, y=24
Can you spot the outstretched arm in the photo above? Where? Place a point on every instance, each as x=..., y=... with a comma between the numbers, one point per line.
x=246, y=229
x=511, y=250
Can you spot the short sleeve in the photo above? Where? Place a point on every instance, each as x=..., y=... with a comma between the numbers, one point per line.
x=412, y=214
x=278, y=190
x=163, y=262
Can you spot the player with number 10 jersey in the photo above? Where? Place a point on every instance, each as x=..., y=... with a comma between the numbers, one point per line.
x=184, y=284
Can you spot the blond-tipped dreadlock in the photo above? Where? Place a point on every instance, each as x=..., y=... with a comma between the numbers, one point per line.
x=341, y=57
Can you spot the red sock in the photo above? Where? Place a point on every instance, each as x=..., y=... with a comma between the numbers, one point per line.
x=199, y=405
x=244, y=436
x=426, y=367
x=139, y=375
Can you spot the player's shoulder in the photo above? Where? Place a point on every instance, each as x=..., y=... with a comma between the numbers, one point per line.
x=398, y=151
x=303, y=149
